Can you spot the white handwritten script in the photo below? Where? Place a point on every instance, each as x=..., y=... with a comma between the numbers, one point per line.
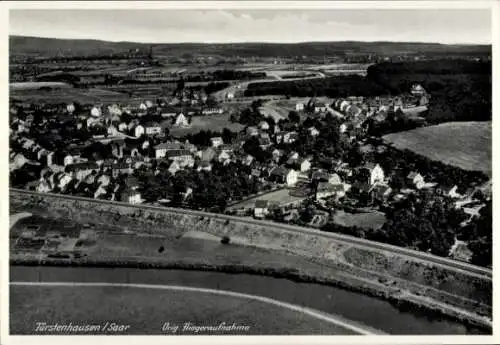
x=188, y=327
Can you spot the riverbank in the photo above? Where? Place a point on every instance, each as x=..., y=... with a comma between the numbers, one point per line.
x=403, y=301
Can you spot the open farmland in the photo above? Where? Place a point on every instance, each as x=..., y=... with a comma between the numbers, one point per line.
x=69, y=95
x=211, y=122
x=466, y=145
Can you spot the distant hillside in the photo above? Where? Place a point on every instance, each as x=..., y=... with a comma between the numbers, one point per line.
x=36, y=46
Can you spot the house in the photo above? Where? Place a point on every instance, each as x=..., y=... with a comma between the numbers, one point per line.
x=375, y=173
x=283, y=175
x=162, y=149
x=299, y=106
x=320, y=108
x=417, y=90
x=152, y=128
x=264, y=142
x=63, y=181
x=304, y=165
x=138, y=131
x=100, y=192
x=224, y=156
x=103, y=180
x=416, y=179
x=229, y=95
x=112, y=130
x=208, y=154
x=96, y=111
x=264, y=125
x=286, y=137
x=82, y=170
x=92, y=121
x=277, y=154
x=181, y=121
x=120, y=168
x=313, y=132
x=261, y=209
x=216, y=141
x=252, y=131
x=132, y=182
x=204, y=166
x=248, y=160
x=380, y=192
x=130, y=196
x=326, y=189
x=43, y=186
x=174, y=167
x=334, y=179
x=212, y=111
x=182, y=157
x=122, y=127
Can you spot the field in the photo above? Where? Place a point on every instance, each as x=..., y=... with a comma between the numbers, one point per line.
x=369, y=220
x=37, y=85
x=146, y=311
x=211, y=122
x=281, y=197
x=69, y=95
x=466, y=145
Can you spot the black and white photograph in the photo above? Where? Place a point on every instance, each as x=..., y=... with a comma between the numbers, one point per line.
x=223, y=170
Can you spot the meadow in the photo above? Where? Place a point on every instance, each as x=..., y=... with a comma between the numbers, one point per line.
x=466, y=145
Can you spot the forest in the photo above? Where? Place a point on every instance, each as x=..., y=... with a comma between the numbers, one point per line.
x=460, y=89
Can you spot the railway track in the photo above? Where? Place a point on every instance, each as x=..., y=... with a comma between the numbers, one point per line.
x=479, y=272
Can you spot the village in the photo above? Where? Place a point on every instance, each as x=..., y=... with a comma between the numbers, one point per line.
x=320, y=167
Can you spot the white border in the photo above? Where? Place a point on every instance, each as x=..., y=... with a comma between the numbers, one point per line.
x=299, y=340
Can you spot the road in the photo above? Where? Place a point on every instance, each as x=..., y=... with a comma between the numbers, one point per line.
x=241, y=87
x=472, y=270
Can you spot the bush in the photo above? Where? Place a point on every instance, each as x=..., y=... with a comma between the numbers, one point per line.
x=225, y=240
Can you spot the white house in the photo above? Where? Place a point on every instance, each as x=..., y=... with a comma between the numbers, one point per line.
x=70, y=108
x=174, y=167
x=376, y=173
x=326, y=190
x=416, y=179
x=230, y=95
x=96, y=112
x=304, y=165
x=138, y=131
x=261, y=209
x=263, y=125
x=313, y=131
x=216, y=141
x=299, y=106
x=320, y=108
x=181, y=121
x=68, y=159
x=152, y=128
x=131, y=196
x=122, y=127
x=112, y=130
x=282, y=175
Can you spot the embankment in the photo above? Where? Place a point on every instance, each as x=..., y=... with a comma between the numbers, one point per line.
x=414, y=280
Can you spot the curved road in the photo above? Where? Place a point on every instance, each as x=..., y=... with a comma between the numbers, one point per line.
x=472, y=270
x=307, y=311
x=220, y=95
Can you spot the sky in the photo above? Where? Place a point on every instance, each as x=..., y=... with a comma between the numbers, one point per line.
x=449, y=26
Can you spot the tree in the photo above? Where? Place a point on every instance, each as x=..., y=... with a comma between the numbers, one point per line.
x=294, y=116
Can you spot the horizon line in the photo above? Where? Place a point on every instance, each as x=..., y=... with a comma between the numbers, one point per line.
x=257, y=42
